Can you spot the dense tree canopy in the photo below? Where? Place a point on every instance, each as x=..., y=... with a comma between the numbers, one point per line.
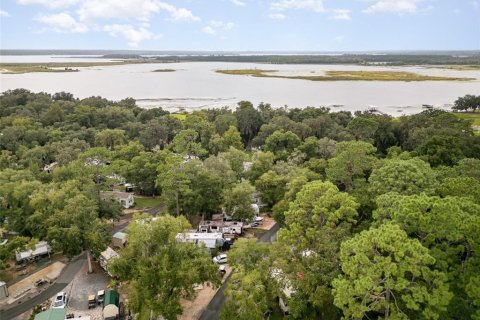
x=375, y=209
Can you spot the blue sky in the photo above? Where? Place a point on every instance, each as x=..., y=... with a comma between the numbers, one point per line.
x=247, y=25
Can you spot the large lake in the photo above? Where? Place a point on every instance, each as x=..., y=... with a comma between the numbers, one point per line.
x=197, y=85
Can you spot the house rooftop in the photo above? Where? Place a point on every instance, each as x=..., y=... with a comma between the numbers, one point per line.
x=109, y=254
x=115, y=194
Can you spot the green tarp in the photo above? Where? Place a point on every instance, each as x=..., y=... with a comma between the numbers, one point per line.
x=111, y=297
x=52, y=314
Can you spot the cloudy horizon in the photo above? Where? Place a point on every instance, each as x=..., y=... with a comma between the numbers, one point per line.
x=241, y=25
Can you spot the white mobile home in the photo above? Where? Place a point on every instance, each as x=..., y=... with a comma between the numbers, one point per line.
x=41, y=249
x=221, y=227
x=211, y=240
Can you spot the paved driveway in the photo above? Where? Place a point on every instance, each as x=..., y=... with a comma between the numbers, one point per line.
x=65, y=278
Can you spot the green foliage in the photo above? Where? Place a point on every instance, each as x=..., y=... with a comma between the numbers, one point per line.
x=354, y=160
x=198, y=164
x=282, y=143
x=412, y=176
x=448, y=227
x=232, y=138
x=250, y=292
x=319, y=219
x=467, y=102
x=362, y=128
x=186, y=143
x=248, y=121
x=386, y=274
x=237, y=201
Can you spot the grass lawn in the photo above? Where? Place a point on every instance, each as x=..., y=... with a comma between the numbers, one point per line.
x=179, y=116
x=147, y=202
x=473, y=116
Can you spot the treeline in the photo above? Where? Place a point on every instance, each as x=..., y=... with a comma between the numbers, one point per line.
x=469, y=102
x=379, y=215
x=359, y=59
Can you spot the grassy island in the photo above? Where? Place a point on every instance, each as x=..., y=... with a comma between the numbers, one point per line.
x=346, y=75
x=164, y=70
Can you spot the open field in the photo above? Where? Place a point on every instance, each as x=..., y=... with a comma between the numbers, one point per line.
x=147, y=202
x=345, y=75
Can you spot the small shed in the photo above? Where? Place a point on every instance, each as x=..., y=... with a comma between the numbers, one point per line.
x=111, y=305
x=3, y=290
x=52, y=314
x=119, y=239
x=106, y=256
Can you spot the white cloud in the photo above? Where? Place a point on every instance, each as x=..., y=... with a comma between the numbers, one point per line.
x=277, y=16
x=62, y=23
x=114, y=9
x=339, y=38
x=214, y=26
x=4, y=13
x=395, y=6
x=209, y=30
x=341, y=14
x=178, y=14
x=282, y=5
x=134, y=36
x=52, y=4
x=237, y=2
x=140, y=10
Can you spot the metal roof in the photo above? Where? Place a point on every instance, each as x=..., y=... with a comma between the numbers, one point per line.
x=52, y=314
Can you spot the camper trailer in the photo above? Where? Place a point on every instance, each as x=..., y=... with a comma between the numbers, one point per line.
x=41, y=249
x=210, y=240
x=221, y=227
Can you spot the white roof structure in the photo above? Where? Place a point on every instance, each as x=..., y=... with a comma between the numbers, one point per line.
x=192, y=236
x=109, y=254
x=110, y=311
x=41, y=248
x=120, y=235
x=116, y=195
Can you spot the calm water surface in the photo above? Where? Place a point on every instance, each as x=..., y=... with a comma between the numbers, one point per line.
x=197, y=85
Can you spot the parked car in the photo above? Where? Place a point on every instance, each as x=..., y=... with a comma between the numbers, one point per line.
x=258, y=219
x=92, y=301
x=40, y=282
x=222, y=270
x=60, y=301
x=220, y=259
x=100, y=296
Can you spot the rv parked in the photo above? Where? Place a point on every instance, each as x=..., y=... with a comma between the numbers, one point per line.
x=41, y=249
x=210, y=240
